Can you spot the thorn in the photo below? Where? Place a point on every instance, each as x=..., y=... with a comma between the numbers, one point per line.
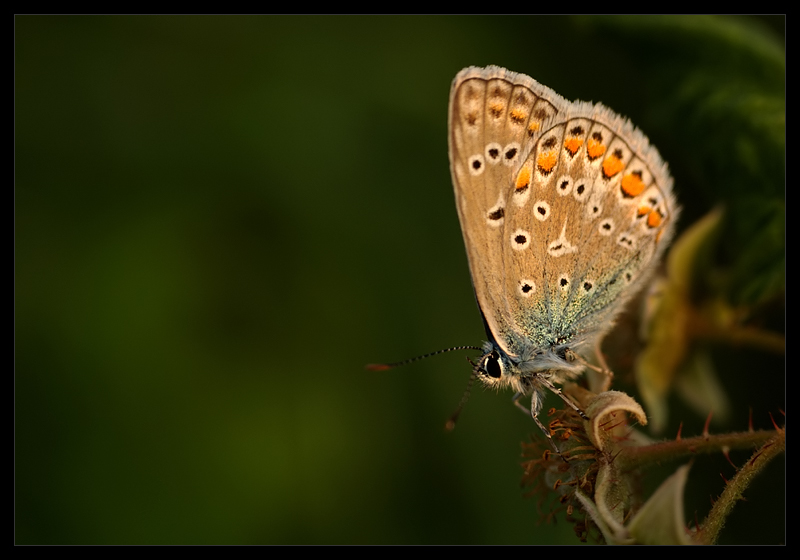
x=723, y=478
x=627, y=436
x=378, y=367
x=705, y=428
x=678, y=437
x=725, y=452
x=760, y=452
x=607, y=425
x=750, y=421
x=773, y=422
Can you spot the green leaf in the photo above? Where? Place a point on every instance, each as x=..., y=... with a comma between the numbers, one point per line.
x=660, y=521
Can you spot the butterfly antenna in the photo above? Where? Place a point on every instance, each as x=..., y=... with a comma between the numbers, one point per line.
x=451, y=422
x=382, y=367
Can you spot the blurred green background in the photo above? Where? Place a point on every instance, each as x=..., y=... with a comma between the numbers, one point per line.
x=220, y=220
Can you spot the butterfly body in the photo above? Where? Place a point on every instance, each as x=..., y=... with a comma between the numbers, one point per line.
x=565, y=209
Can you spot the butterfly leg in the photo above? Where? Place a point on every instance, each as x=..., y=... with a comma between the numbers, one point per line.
x=536, y=407
x=564, y=397
x=600, y=386
x=609, y=375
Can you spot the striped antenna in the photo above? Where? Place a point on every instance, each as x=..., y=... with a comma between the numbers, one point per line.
x=383, y=367
x=451, y=422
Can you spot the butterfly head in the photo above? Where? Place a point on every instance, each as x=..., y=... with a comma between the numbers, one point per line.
x=497, y=369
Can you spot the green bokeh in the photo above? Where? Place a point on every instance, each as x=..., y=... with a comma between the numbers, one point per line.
x=220, y=220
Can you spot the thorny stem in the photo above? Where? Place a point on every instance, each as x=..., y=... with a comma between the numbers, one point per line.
x=736, y=486
x=642, y=456
x=585, y=462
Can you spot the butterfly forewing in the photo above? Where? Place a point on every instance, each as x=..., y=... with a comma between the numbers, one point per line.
x=495, y=119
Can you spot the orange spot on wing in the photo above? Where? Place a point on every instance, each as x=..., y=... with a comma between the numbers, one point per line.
x=632, y=185
x=524, y=176
x=611, y=166
x=595, y=149
x=546, y=161
x=518, y=116
x=654, y=219
x=573, y=144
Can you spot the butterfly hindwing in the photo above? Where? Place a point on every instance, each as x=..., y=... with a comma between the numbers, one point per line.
x=564, y=207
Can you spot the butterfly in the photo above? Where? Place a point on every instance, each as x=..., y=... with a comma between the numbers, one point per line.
x=565, y=210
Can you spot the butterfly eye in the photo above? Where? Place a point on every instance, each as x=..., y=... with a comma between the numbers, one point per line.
x=491, y=366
